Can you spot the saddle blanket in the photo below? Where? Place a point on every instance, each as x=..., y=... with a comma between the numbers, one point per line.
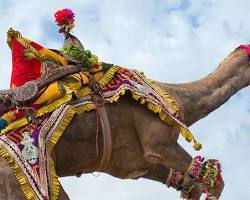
x=27, y=146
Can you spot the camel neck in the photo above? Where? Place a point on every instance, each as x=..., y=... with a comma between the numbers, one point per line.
x=199, y=98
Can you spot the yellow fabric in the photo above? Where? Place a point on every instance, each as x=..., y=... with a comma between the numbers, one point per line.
x=8, y=117
x=51, y=94
x=75, y=81
x=108, y=76
x=43, y=54
x=57, y=89
x=46, y=53
x=55, y=184
x=98, y=75
x=31, y=52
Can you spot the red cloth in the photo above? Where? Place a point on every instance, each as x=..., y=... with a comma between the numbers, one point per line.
x=18, y=114
x=24, y=69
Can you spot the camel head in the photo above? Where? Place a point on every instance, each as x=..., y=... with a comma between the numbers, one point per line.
x=245, y=62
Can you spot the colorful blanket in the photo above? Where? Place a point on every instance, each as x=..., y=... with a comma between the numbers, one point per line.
x=27, y=147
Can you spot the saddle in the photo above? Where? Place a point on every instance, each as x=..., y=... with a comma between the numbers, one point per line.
x=22, y=95
x=29, y=91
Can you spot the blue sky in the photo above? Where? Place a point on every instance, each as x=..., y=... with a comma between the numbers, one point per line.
x=171, y=41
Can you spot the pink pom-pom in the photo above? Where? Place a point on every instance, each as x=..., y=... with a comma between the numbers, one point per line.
x=64, y=17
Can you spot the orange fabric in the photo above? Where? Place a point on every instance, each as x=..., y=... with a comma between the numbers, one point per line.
x=23, y=69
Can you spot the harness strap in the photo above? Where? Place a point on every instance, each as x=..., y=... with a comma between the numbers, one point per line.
x=97, y=99
x=107, y=140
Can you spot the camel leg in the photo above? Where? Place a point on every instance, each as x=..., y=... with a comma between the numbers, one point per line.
x=159, y=141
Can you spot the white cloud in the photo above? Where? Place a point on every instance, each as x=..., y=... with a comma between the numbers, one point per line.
x=171, y=43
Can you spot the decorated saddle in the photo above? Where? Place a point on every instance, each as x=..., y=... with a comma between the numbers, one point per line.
x=41, y=105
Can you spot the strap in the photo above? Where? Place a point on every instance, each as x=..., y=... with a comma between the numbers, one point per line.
x=107, y=140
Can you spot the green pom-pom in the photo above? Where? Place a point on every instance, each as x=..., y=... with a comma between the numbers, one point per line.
x=85, y=57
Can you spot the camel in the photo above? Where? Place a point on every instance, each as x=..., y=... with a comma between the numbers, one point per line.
x=142, y=145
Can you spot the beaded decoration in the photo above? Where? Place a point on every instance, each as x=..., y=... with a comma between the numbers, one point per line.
x=196, y=167
x=207, y=173
x=174, y=179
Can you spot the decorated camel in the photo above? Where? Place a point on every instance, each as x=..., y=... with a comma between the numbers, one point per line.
x=106, y=129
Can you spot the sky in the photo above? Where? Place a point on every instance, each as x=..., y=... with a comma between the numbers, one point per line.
x=171, y=41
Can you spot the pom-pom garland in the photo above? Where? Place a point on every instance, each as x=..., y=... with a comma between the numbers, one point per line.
x=196, y=167
x=174, y=179
x=246, y=48
x=84, y=57
x=207, y=173
x=180, y=182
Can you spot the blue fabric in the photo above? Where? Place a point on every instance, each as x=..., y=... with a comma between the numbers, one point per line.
x=3, y=124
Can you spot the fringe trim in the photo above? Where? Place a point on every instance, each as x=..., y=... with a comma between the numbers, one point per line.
x=25, y=186
x=55, y=184
x=85, y=91
x=108, y=76
x=60, y=129
x=163, y=93
x=44, y=110
x=83, y=108
x=163, y=116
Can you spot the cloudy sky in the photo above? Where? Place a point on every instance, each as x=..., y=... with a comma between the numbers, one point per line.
x=171, y=41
